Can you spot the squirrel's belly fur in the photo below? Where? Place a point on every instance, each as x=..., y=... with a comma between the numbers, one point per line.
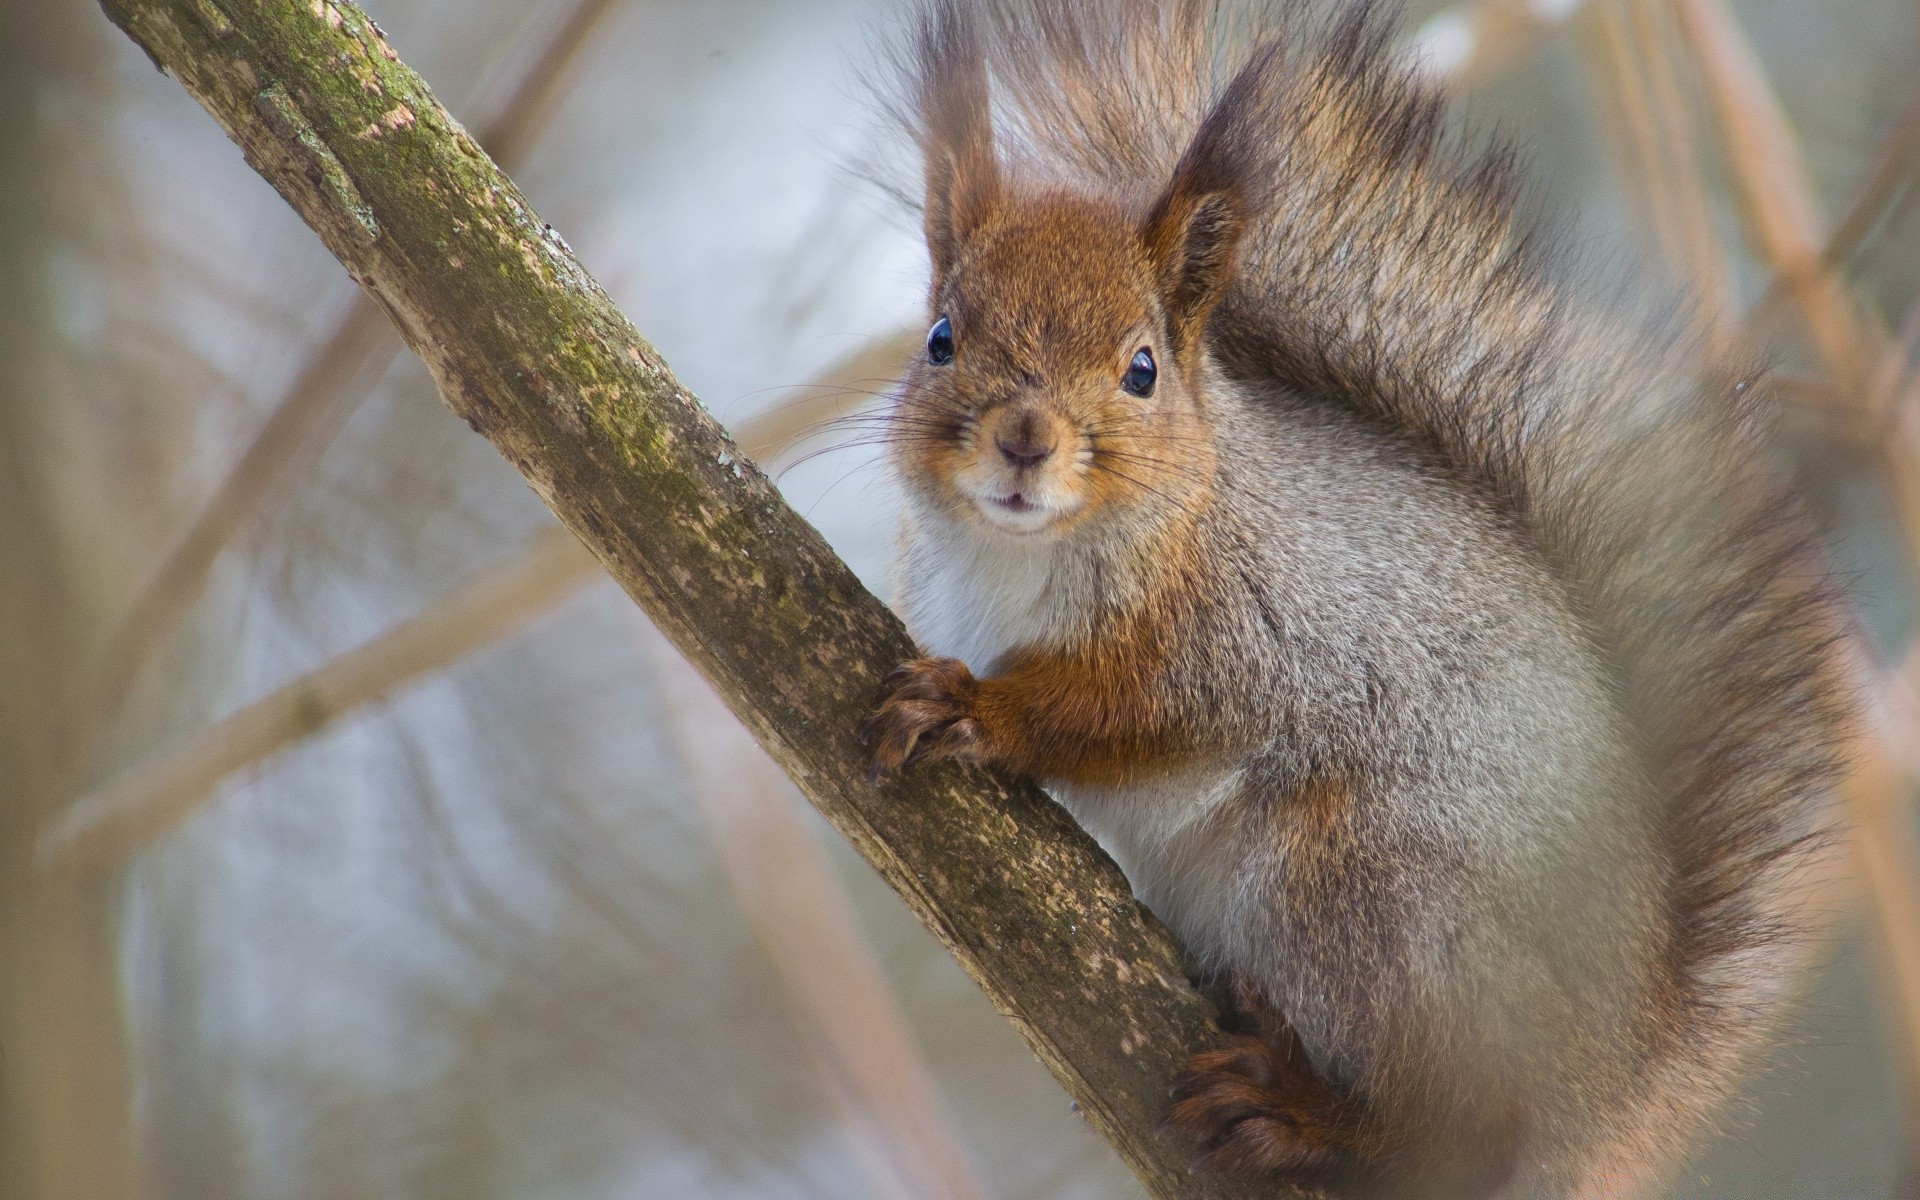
x=1433, y=649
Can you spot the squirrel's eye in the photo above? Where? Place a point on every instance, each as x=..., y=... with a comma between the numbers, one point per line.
x=1140, y=373
x=940, y=343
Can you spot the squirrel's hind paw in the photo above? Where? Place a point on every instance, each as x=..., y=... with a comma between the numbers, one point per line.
x=1256, y=1106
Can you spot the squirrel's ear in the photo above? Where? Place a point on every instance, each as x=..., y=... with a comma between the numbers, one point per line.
x=963, y=180
x=963, y=186
x=1192, y=233
x=1190, y=240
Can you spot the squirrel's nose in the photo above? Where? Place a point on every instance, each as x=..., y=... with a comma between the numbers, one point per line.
x=1026, y=441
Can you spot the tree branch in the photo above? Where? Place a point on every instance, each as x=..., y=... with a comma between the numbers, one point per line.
x=336, y=376
x=531, y=352
x=103, y=828
x=792, y=896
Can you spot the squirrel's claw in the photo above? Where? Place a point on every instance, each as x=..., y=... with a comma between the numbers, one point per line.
x=1250, y=1109
x=927, y=714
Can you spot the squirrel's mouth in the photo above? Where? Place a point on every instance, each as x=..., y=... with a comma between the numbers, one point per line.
x=1022, y=512
x=1015, y=504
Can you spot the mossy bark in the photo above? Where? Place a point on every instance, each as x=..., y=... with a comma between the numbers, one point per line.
x=532, y=354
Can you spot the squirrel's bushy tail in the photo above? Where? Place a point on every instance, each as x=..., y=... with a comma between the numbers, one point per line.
x=1384, y=267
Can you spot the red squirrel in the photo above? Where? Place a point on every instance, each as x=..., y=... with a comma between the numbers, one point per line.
x=1431, y=647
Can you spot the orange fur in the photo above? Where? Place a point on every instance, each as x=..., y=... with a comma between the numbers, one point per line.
x=1061, y=290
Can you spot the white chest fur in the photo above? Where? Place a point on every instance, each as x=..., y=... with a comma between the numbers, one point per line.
x=1162, y=833
x=974, y=597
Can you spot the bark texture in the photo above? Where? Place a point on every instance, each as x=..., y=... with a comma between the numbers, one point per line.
x=530, y=351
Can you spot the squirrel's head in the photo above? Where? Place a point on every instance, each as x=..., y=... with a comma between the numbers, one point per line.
x=1062, y=375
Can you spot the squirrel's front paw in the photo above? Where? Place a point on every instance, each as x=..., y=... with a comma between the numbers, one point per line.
x=928, y=713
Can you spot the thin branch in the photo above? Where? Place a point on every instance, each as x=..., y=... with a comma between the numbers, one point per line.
x=517, y=100
x=1785, y=224
x=1783, y=215
x=1637, y=144
x=1876, y=796
x=1894, y=379
x=1636, y=141
x=796, y=903
x=102, y=828
x=337, y=375
x=153, y=796
x=1679, y=154
x=849, y=385
x=342, y=369
x=1879, y=199
x=1906, y=399
x=1469, y=43
x=792, y=896
x=533, y=354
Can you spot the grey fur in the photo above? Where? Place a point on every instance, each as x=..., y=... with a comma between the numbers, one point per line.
x=1507, y=569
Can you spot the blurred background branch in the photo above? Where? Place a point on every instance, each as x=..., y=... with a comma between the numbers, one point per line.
x=338, y=374
x=103, y=828
x=793, y=898
x=530, y=353
x=518, y=863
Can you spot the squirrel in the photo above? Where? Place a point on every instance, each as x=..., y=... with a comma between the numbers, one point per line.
x=1434, y=650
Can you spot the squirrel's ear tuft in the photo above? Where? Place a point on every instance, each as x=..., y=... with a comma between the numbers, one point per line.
x=1191, y=241
x=956, y=137
x=1192, y=233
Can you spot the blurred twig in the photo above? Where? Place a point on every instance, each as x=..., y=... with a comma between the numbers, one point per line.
x=1638, y=145
x=1782, y=213
x=796, y=903
x=518, y=98
x=1659, y=157
x=1883, y=840
x=1906, y=398
x=1785, y=225
x=68, y=1127
x=111, y=824
x=856, y=381
x=337, y=374
x=774, y=862
x=1468, y=42
x=102, y=828
x=530, y=351
x=1862, y=361
x=1888, y=188
x=1679, y=156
